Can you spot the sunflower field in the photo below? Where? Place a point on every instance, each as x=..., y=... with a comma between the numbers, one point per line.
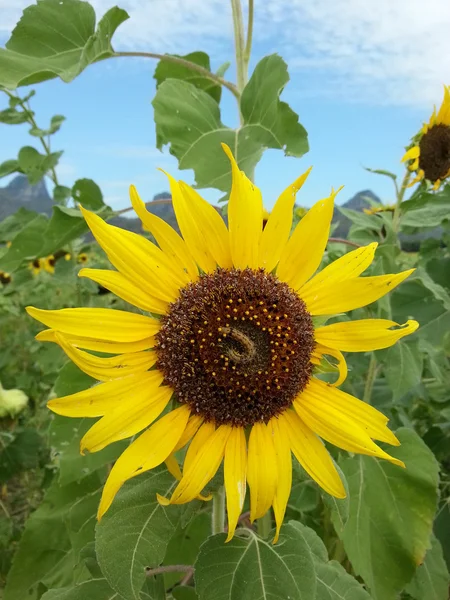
x=240, y=405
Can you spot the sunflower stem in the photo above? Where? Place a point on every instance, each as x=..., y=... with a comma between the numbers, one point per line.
x=239, y=45
x=218, y=511
x=265, y=525
x=400, y=194
x=371, y=373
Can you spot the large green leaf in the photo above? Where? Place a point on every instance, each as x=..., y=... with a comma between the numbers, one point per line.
x=426, y=210
x=24, y=452
x=44, y=553
x=34, y=164
x=56, y=39
x=250, y=568
x=9, y=166
x=93, y=589
x=404, y=364
x=27, y=244
x=88, y=194
x=189, y=120
x=431, y=580
x=135, y=532
x=391, y=514
x=65, y=225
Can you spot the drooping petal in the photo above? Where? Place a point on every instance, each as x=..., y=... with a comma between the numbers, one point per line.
x=303, y=253
x=121, y=286
x=49, y=335
x=147, y=452
x=190, y=229
x=312, y=454
x=346, y=267
x=411, y=154
x=105, y=369
x=262, y=474
x=133, y=415
x=284, y=469
x=350, y=294
x=278, y=226
x=203, y=467
x=245, y=217
x=204, y=433
x=100, y=399
x=235, y=474
x=323, y=396
x=211, y=226
x=338, y=428
x=320, y=350
x=100, y=323
x=363, y=335
x=168, y=239
x=138, y=259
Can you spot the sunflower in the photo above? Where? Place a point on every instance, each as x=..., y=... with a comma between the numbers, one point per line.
x=227, y=335
x=374, y=210
x=82, y=257
x=430, y=154
x=5, y=277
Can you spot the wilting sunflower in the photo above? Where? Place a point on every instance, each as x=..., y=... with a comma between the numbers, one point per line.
x=228, y=334
x=430, y=154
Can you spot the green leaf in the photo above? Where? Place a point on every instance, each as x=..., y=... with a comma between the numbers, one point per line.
x=404, y=365
x=88, y=194
x=93, y=589
x=391, y=514
x=61, y=193
x=56, y=39
x=184, y=593
x=250, y=568
x=27, y=244
x=168, y=70
x=426, y=210
x=371, y=222
x=24, y=452
x=382, y=172
x=65, y=225
x=189, y=120
x=65, y=433
x=11, y=226
x=11, y=116
x=442, y=529
x=431, y=580
x=55, y=125
x=9, y=166
x=44, y=553
x=36, y=165
x=339, y=508
x=144, y=529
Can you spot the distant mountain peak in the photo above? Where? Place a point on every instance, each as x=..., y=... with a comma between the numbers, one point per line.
x=20, y=194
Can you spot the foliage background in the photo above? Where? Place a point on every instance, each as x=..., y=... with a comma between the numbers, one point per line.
x=389, y=539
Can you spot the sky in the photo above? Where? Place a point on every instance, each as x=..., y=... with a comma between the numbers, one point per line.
x=364, y=75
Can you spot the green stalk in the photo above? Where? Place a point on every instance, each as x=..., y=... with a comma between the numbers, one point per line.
x=400, y=195
x=239, y=44
x=371, y=373
x=265, y=525
x=218, y=511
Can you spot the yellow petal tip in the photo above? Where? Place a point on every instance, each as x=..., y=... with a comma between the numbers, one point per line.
x=162, y=500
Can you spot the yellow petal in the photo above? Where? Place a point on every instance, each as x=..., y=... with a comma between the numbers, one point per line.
x=101, y=323
x=338, y=428
x=420, y=175
x=312, y=454
x=173, y=467
x=346, y=267
x=190, y=229
x=138, y=259
x=262, y=472
x=323, y=396
x=235, y=473
x=321, y=350
x=121, y=286
x=205, y=432
x=284, y=469
x=278, y=226
x=245, y=217
x=49, y=335
x=147, y=452
x=114, y=367
x=168, y=239
x=350, y=294
x=211, y=226
x=100, y=399
x=363, y=335
x=191, y=429
x=203, y=467
x=133, y=415
x=411, y=154
x=303, y=253
x=443, y=115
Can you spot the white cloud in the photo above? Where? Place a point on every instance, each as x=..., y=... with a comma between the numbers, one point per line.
x=376, y=51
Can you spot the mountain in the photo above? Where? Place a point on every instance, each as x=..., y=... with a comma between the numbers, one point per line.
x=20, y=194
x=359, y=202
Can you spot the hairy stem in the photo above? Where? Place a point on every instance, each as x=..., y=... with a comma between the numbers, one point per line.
x=400, y=194
x=239, y=44
x=169, y=569
x=248, y=43
x=218, y=512
x=184, y=63
x=265, y=525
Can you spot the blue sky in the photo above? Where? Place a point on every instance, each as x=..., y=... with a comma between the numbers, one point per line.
x=360, y=80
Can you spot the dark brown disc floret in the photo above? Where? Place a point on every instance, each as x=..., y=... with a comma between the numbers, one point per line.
x=434, y=157
x=236, y=346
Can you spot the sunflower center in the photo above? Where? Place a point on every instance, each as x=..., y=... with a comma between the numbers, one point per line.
x=236, y=346
x=434, y=157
